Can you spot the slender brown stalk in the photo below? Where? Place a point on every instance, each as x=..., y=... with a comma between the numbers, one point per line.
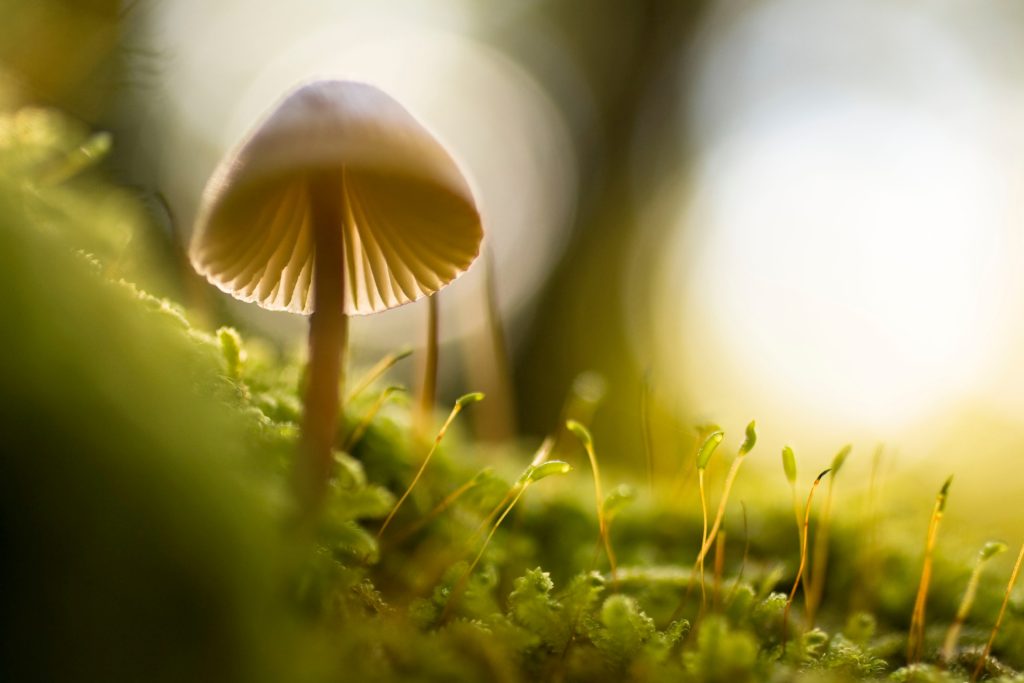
x=328, y=339
x=915, y=639
x=803, y=560
x=999, y=618
x=716, y=592
x=428, y=384
x=456, y=409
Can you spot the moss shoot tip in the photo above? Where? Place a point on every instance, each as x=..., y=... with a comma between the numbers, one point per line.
x=549, y=468
x=581, y=432
x=789, y=464
x=707, y=449
x=750, y=440
x=465, y=400
x=991, y=549
x=841, y=456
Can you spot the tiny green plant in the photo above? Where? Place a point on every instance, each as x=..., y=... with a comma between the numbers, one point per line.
x=377, y=371
x=988, y=551
x=749, y=441
x=707, y=449
x=999, y=618
x=583, y=434
x=803, y=558
x=616, y=501
x=542, y=455
x=688, y=465
x=789, y=468
x=531, y=475
x=460, y=403
x=445, y=503
x=232, y=350
x=364, y=423
x=819, y=564
x=915, y=639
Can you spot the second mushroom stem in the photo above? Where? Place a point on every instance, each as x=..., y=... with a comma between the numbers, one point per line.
x=328, y=338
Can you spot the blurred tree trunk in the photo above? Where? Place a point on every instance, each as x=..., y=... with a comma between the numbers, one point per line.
x=63, y=53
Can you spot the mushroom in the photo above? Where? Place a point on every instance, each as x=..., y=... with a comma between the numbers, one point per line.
x=339, y=203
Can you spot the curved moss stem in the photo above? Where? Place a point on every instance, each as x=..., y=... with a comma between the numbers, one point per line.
x=805, y=525
x=328, y=338
x=819, y=563
x=704, y=537
x=987, y=652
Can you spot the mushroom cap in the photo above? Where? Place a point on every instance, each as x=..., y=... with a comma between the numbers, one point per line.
x=411, y=225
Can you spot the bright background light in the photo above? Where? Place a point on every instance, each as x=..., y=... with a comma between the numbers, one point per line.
x=841, y=264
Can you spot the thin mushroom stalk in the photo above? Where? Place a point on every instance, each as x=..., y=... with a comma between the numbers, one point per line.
x=328, y=336
x=339, y=203
x=428, y=384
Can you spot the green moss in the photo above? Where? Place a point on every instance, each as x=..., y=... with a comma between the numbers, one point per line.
x=147, y=517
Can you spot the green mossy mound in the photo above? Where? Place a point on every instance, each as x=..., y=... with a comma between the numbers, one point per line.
x=146, y=517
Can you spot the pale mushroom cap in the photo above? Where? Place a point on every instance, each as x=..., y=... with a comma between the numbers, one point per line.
x=412, y=224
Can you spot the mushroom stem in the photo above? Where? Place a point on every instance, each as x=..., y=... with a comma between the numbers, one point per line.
x=428, y=388
x=328, y=338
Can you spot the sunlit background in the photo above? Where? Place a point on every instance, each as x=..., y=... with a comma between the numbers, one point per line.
x=803, y=211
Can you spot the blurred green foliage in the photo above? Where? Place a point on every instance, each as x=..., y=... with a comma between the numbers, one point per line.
x=147, y=527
